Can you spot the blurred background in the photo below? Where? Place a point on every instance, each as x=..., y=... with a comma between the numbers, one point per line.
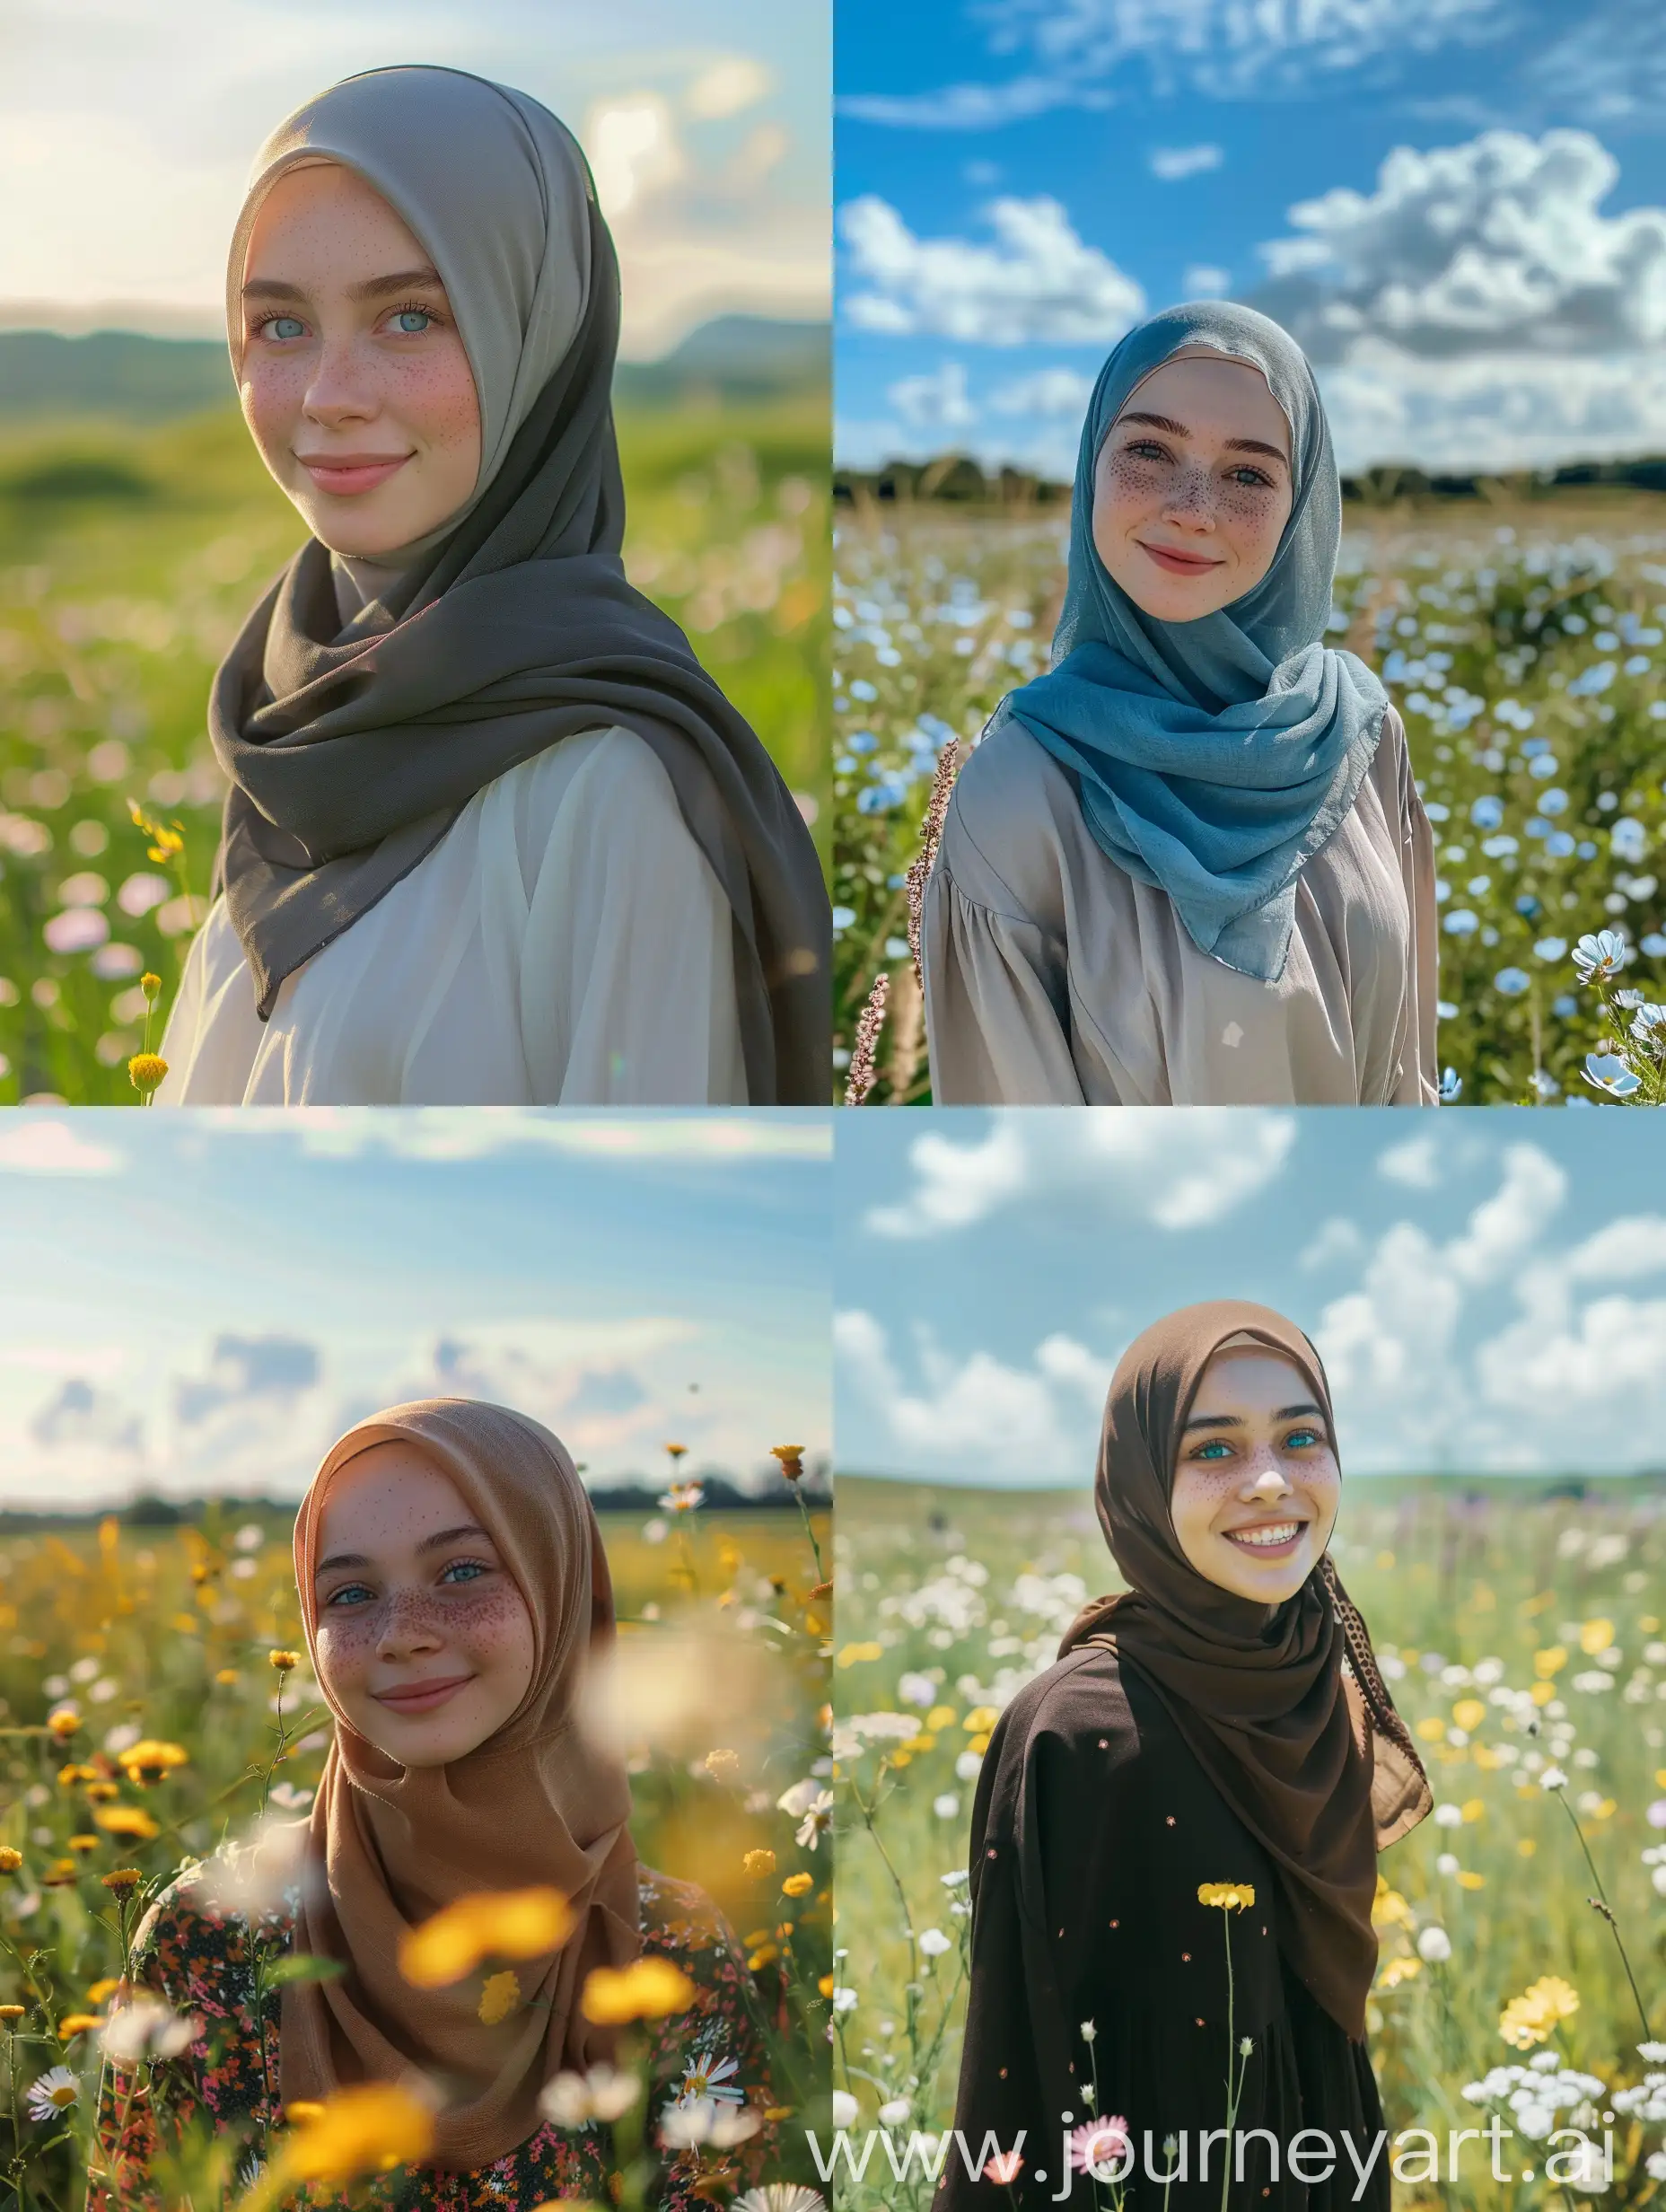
x=1458, y=209
x=137, y=525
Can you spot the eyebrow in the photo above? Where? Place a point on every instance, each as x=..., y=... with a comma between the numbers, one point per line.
x=373, y=287
x=429, y=1543
x=1179, y=430
x=1233, y=1420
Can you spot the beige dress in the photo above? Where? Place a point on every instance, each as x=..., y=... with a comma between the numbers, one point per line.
x=1052, y=977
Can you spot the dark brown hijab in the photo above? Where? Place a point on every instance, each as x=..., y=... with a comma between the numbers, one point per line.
x=1274, y=1700
x=351, y=753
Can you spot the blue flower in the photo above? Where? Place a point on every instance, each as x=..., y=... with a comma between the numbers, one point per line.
x=1585, y=849
x=1551, y=948
x=1461, y=923
x=874, y=800
x=1655, y=944
x=1601, y=953
x=1629, y=838
x=1543, y=1086
x=1565, y=1007
x=864, y=691
x=1541, y=764
x=861, y=741
x=1590, y=681
x=1527, y=906
x=1511, y=981
x=1487, y=813
x=1647, y=1022
x=1559, y=845
x=842, y=917
x=1606, y=1072
x=1451, y=1084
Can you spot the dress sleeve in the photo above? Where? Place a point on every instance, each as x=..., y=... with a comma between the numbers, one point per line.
x=1420, y=1079
x=1093, y=1832
x=626, y=984
x=135, y=2110
x=996, y=1008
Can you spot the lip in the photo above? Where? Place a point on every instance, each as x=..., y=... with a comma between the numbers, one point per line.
x=1268, y=1551
x=1179, y=564
x=348, y=474
x=421, y=1697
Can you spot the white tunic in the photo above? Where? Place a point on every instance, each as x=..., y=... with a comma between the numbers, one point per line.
x=565, y=943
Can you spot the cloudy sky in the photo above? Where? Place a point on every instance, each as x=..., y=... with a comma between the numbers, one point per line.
x=1458, y=206
x=1487, y=1291
x=127, y=127
x=205, y=1302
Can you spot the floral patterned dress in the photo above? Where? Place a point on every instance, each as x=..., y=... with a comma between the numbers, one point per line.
x=202, y=1964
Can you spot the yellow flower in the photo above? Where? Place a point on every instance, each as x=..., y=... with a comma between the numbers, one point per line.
x=63, y=1724
x=102, y=1793
x=759, y=1864
x=511, y=1924
x=796, y=1884
x=722, y=1765
x=1390, y=1909
x=99, y=1990
x=648, y=1988
x=366, y=2129
x=1473, y=1808
x=145, y=1071
x=1432, y=1729
x=979, y=1743
x=77, y=2023
x=674, y=1451
x=1595, y=1636
x=8, y=2012
x=1469, y=1880
x=1528, y=2019
x=500, y=1996
x=940, y=1716
x=151, y=984
x=762, y=1957
x=1469, y=1713
x=980, y=1719
x=1527, y=1847
x=1541, y=1693
x=1231, y=1896
x=283, y=1660
x=148, y=1761
x=792, y=1459
x=1398, y=1971
x=9, y=1859
x=850, y=1654
x=1550, y=1661
x=84, y=1844
x=227, y=1677
x=826, y=1985
x=129, y=1821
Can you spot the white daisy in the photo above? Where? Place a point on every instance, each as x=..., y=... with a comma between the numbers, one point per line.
x=52, y=2093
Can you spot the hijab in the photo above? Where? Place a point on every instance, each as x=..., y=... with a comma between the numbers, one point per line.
x=387, y=1845
x=1213, y=758
x=364, y=702
x=1268, y=1696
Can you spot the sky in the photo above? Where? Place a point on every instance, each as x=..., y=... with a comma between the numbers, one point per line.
x=201, y=1304
x=1487, y=1291
x=1459, y=206
x=127, y=129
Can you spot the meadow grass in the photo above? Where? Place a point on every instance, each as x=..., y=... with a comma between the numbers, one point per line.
x=163, y=1634
x=1521, y=642
x=1481, y=1598
x=128, y=561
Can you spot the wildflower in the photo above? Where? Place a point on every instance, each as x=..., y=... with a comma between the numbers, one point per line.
x=1434, y=1944
x=1603, y=953
x=499, y=1996
x=145, y=1071
x=63, y=1722
x=151, y=984
x=864, y=1072
x=9, y=1859
x=844, y=2109
x=148, y=1761
x=604, y=2092
x=844, y=2000
x=1553, y=1779
x=893, y=2112
x=1088, y=2030
x=792, y=1459
x=1528, y=2019
x=780, y=2197
x=511, y=1924
x=758, y=1863
x=707, y=2075
x=146, y=2027
x=283, y=1661
x=703, y=2120
x=816, y=1815
x=1098, y=2143
x=121, y=1879
x=1231, y=1896
x=131, y=1821
x=682, y=1497
x=722, y=1765
x=77, y=2023
x=796, y=1884
x=1452, y=1087
x=1004, y=2166
x=53, y=2093
x=1595, y=1636
x=1398, y=1971
x=365, y=2129
x=934, y=1943
x=10, y=2013
x=649, y=1988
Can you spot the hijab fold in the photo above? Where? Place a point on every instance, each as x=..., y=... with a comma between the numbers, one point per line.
x=353, y=740
x=1273, y=1700
x=538, y=1803
x=1212, y=758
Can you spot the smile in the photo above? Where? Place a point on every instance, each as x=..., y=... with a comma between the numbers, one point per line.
x=346, y=474
x=1277, y=1536
x=1179, y=564
x=423, y=1698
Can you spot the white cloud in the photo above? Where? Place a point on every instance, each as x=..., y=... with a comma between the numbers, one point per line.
x=1172, y=163
x=1502, y=1229
x=1337, y=1240
x=728, y=87
x=1203, y=280
x=1633, y=1245
x=481, y=1132
x=1416, y=1163
x=1494, y=245
x=1050, y=393
x=30, y=1145
x=1182, y=1170
x=1037, y=284
x=937, y=402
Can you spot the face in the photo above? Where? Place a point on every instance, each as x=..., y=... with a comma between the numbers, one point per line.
x=1256, y=1482
x=411, y=1591
x=1192, y=487
x=355, y=383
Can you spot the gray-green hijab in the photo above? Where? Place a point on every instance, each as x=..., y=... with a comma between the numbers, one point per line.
x=352, y=749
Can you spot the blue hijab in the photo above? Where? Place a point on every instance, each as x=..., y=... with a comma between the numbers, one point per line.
x=1212, y=757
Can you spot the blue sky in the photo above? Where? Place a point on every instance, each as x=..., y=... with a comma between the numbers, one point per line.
x=1488, y=1291
x=1463, y=199
x=204, y=1301
x=127, y=128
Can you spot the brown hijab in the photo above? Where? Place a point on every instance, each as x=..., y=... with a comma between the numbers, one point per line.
x=387, y=1845
x=1275, y=1701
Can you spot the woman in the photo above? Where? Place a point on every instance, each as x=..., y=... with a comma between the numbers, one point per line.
x=494, y=837
x=1221, y=1723
x=450, y=1541
x=1189, y=864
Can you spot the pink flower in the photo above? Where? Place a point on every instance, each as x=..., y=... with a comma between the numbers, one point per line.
x=1004, y=2166
x=1099, y=2143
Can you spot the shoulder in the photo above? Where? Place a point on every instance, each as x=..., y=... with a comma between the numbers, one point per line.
x=1009, y=777
x=1078, y=1708
x=1012, y=815
x=679, y=1919
x=192, y=1943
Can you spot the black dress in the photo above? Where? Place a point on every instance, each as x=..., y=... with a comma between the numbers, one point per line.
x=1093, y=1827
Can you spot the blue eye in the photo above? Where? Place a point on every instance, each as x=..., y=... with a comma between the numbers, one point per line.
x=412, y=321
x=1216, y=1449
x=1299, y=1436
x=282, y=326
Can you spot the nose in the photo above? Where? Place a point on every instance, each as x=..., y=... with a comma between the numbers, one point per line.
x=339, y=392
x=1190, y=503
x=1265, y=1480
x=408, y=1626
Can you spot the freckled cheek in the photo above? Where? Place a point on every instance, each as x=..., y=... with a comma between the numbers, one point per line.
x=437, y=397
x=486, y=1627
x=1252, y=522
x=272, y=399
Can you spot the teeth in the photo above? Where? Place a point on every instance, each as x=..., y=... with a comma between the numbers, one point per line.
x=1280, y=1533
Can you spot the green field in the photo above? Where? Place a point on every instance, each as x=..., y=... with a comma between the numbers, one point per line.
x=949, y=1599
x=164, y=1634
x=129, y=559
x=1522, y=642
